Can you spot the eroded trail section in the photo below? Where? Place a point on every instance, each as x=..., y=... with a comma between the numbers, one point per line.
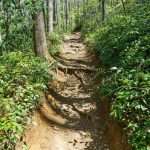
x=68, y=118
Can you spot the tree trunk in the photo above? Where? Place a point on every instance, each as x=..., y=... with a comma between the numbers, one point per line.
x=67, y=14
x=62, y=15
x=39, y=36
x=103, y=10
x=54, y=13
x=50, y=16
x=71, y=6
x=83, y=8
x=79, y=10
x=58, y=13
x=100, y=4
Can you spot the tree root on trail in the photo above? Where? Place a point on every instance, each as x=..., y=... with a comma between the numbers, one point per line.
x=66, y=100
x=70, y=112
x=63, y=109
x=72, y=66
x=72, y=61
x=47, y=112
x=75, y=67
x=89, y=58
x=83, y=114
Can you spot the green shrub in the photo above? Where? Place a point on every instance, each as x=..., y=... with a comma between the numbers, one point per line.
x=119, y=35
x=130, y=94
x=21, y=77
x=54, y=40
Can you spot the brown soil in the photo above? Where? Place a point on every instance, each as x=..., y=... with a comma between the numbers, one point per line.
x=68, y=118
x=113, y=129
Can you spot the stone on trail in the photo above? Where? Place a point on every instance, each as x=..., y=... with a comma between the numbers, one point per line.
x=85, y=108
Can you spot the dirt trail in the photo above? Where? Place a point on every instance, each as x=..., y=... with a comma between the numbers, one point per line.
x=68, y=118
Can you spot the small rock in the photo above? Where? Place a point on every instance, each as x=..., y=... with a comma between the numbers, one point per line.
x=55, y=128
x=83, y=133
x=113, y=69
x=34, y=123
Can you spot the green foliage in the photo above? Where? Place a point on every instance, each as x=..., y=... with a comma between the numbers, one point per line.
x=130, y=93
x=54, y=41
x=123, y=41
x=21, y=77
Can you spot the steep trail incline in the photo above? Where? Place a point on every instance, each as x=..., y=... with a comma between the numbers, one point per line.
x=68, y=118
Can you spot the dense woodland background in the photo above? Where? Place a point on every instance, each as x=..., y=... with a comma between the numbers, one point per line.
x=117, y=31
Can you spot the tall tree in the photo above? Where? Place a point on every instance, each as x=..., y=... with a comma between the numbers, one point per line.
x=78, y=9
x=50, y=16
x=103, y=10
x=39, y=36
x=67, y=14
x=54, y=12
x=58, y=11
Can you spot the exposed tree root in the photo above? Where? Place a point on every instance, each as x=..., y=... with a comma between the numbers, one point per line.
x=74, y=61
x=64, y=110
x=75, y=67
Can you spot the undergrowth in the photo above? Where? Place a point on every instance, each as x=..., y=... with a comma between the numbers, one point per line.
x=22, y=76
x=54, y=41
x=122, y=43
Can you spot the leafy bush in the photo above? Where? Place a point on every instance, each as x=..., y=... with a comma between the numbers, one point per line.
x=118, y=35
x=124, y=42
x=21, y=77
x=129, y=92
x=54, y=40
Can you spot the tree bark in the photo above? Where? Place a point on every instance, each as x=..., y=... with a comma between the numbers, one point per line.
x=54, y=13
x=62, y=9
x=50, y=16
x=103, y=10
x=58, y=13
x=67, y=14
x=78, y=10
x=39, y=36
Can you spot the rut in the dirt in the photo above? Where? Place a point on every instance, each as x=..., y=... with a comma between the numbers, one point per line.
x=68, y=118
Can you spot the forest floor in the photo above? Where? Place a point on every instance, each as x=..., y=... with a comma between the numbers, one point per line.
x=68, y=118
